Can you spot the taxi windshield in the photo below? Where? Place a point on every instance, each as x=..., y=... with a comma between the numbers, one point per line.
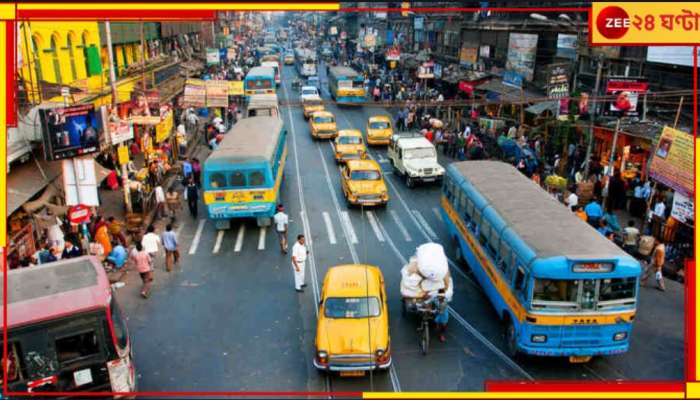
x=365, y=175
x=379, y=125
x=349, y=140
x=352, y=307
x=323, y=120
x=308, y=92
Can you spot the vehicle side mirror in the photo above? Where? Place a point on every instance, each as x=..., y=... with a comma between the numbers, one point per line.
x=320, y=302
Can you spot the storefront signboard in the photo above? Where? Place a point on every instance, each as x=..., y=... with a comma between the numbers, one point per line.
x=672, y=161
x=79, y=182
x=683, y=208
x=522, y=48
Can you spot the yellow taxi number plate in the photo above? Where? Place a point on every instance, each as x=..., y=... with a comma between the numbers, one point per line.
x=352, y=373
x=579, y=359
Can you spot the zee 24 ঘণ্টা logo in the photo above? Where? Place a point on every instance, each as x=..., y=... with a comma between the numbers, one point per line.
x=614, y=22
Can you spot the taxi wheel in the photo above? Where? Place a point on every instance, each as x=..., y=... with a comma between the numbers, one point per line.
x=409, y=182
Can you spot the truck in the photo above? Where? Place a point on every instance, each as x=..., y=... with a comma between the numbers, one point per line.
x=414, y=158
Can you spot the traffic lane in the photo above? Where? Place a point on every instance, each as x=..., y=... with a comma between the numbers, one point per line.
x=317, y=200
x=390, y=257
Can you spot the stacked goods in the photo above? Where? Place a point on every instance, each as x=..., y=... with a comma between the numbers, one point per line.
x=555, y=181
x=426, y=273
x=584, y=192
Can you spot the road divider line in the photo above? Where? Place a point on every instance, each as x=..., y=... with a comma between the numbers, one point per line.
x=239, y=239
x=261, y=238
x=197, y=236
x=398, y=223
x=329, y=227
x=219, y=239
x=373, y=224
x=425, y=225
x=349, y=230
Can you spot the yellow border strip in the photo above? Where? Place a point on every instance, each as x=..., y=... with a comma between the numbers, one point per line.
x=181, y=6
x=523, y=395
x=7, y=11
x=3, y=130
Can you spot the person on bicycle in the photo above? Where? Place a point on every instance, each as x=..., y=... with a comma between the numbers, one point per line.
x=439, y=304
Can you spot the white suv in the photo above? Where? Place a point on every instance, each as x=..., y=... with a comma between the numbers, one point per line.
x=415, y=159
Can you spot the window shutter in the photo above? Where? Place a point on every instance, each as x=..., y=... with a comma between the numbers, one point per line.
x=94, y=64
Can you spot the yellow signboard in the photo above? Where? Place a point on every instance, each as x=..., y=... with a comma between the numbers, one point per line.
x=235, y=88
x=164, y=128
x=640, y=23
x=672, y=162
x=123, y=154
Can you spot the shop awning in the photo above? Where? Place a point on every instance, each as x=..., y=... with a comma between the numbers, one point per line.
x=506, y=92
x=26, y=180
x=543, y=106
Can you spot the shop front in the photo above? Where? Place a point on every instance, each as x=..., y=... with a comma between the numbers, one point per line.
x=632, y=150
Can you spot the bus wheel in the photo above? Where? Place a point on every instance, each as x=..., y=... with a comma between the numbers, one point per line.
x=511, y=339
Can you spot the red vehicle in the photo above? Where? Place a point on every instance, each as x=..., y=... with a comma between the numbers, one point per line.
x=65, y=330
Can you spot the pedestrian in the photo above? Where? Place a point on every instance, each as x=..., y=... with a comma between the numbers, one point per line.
x=71, y=251
x=197, y=172
x=594, y=212
x=657, y=217
x=118, y=256
x=442, y=315
x=150, y=242
x=186, y=169
x=143, y=263
x=299, y=253
x=630, y=237
x=172, y=200
x=172, y=254
x=192, y=197
x=160, y=201
x=655, y=266
x=578, y=210
x=115, y=229
x=281, y=224
x=102, y=236
x=54, y=232
x=572, y=198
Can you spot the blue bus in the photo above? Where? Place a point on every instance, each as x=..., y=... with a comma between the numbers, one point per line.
x=346, y=85
x=259, y=80
x=242, y=177
x=562, y=288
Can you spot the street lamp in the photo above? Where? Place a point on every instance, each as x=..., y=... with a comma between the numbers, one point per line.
x=539, y=17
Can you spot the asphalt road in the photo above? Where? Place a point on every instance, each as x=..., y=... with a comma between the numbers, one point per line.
x=228, y=318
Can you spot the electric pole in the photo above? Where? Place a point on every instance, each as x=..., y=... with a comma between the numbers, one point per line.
x=594, y=109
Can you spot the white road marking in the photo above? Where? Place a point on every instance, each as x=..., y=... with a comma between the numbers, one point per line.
x=219, y=239
x=329, y=227
x=437, y=213
x=425, y=225
x=239, y=239
x=373, y=224
x=347, y=225
x=261, y=238
x=398, y=222
x=197, y=236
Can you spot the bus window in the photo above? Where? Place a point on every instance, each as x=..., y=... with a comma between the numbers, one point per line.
x=484, y=231
x=588, y=294
x=463, y=203
x=256, y=178
x=477, y=217
x=76, y=347
x=237, y=179
x=520, y=282
x=556, y=290
x=122, y=335
x=617, y=290
x=493, y=242
x=217, y=180
x=470, y=208
x=504, y=257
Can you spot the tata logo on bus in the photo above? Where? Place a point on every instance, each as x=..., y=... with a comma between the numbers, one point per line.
x=593, y=267
x=584, y=321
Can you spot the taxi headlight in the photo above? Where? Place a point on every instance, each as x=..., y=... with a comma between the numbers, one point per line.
x=322, y=355
x=620, y=336
x=379, y=353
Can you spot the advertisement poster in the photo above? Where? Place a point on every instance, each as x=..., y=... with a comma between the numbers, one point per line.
x=566, y=46
x=426, y=70
x=164, y=128
x=118, y=129
x=676, y=55
x=485, y=51
x=70, y=131
x=333, y=30
x=418, y=23
x=437, y=71
x=235, y=88
x=393, y=54
x=217, y=93
x=683, y=208
x=626, y=92
x=512, y=78
x=557, y=81
x=522, y=48
x=195, y=93
x=672, y=162
x=212, y=56
x=79, y=182
x=123, y=154
x=468, y=56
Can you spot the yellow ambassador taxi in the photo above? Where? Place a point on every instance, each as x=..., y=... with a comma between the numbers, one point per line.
x=363, y=183
x=322, y=125
x=352, y=334
x=349, y=145
x=311, y=104
x=379, y=130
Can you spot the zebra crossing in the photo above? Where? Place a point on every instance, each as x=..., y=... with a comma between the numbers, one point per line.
x=346, y=223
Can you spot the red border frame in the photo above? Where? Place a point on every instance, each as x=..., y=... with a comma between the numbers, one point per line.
x=546, y=386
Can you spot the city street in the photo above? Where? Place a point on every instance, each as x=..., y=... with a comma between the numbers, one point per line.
x=228, y=318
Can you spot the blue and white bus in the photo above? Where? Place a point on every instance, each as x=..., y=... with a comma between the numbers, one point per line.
x=561, y=287
x=346, y=85
x=259, y=80
x=305, y=62
x=243, y=176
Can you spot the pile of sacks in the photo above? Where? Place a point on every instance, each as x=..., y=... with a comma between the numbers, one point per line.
x=426, y=273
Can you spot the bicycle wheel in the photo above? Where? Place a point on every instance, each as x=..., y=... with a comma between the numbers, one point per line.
x=424, y=338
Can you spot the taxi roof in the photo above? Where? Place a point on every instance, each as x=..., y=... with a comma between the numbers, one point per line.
x=377, y=118
x=353, y=280
x=322, y=113
x=349, y=132
x=362, y=164
x=60, y=288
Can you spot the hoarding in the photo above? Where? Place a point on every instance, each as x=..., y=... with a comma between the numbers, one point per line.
x=79, y=182
x=468, y=56
x=70, y=131
x=195, y=93
x=426, y=70
x=566, y=46
x=626, y=92
x=672, y=162
x=522, y=48
x=557, y=81
x=212, y=56
x=677, y=55
x=164, y=128
x=683, y=208
x=217, y=93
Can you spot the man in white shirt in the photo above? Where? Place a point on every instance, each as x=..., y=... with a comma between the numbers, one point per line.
x=160, y=201
x=151, y=242
x=572, y=199
x=299, y=253
x=281, y=223
x=658, y=217
x=512, y=132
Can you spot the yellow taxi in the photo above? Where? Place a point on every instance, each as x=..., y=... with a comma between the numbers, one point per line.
x=363, y=183
x=311, y=104
x=352, y=334
x=322, y=124
x=349, y=145
x=379, y=130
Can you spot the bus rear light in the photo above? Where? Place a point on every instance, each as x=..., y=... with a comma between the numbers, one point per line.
x=530, y=319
